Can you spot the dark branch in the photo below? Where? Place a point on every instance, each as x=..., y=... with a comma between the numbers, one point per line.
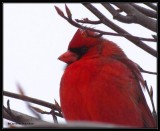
x=151, y=99
x=116, y=14
x=9, y=112
x=23, y=118
x=103, y=32
x=151, y=5
x=116, y=28
x=144, y=71
x=138, y=16
x=54, y=116
x=36, y=123
x=95, y=30
x=32, y=100
x=86, y=20
x=155, y=37
x=145, y=11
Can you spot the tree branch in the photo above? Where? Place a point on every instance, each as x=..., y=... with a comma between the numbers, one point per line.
x=31, y=122
x=24, y=119
x=116, y=28
x=151, y=99
x=86, y=20
x=116, y=14
x=145, y=11
x=138, y=16
x=102, y=32
x=33, y=100
x=145, y=71
x=151, y=5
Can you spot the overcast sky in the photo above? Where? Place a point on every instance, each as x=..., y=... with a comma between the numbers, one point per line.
x=34, y=35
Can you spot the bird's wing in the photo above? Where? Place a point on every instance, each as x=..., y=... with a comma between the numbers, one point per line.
x=111, y=93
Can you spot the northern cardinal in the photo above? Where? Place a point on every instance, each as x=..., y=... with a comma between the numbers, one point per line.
x=101, y=84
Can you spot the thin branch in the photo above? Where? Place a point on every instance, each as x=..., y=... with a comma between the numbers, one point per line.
x=151, y=5
x=52, y=112
x=138, y=16
x=104, y=32
x=148, y=72
x=107, y=33
x=24, y=119
x=86, y=20
x=33, y=111
x=116, y=28
x=32, y=100
x=9, y=112
x=151, y=99
x=69, y=19
x=58, y=107
x=145, y=11
x=30, y=122
x=111, y=25
x=155, y=37
x=145, y=71
x=21, y=91
x=95, y=30
x=29, y=99
x=116, y=14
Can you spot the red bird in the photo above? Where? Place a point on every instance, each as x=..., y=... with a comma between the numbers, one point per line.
x=101, y=84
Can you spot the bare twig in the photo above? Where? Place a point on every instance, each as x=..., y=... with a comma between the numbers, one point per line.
x=31, y=122
x=39, y=110
x=32, y=100
x=52, y=112
x=155, y=37
x=9, y=112
x=145, y=11
x=145, y=71
x=113, y=26
x=151, y=5
x=138, y=16
x=58, y=106
x=68, y=12
x=86, y=20
x=54, y=116
x=21, y=91
x=116, y=14
x=24, y=120
x=151, y=99
x=136, y=41
x=95, y=30
x=104, y=32
x=33, y=111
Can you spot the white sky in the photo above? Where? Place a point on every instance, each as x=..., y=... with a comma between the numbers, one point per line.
x=34, y=35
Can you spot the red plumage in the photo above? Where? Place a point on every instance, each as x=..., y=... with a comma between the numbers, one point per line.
x=101, y=84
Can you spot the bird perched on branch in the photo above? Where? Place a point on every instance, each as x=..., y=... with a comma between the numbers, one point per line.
x=101, y=84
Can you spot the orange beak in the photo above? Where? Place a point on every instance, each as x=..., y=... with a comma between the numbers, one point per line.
x=68, y=57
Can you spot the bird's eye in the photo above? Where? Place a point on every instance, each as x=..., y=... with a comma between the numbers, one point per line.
x=79, y=51
x=83, y=50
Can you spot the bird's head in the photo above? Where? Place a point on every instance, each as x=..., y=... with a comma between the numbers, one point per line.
x=81, y=42
x=85, y=44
